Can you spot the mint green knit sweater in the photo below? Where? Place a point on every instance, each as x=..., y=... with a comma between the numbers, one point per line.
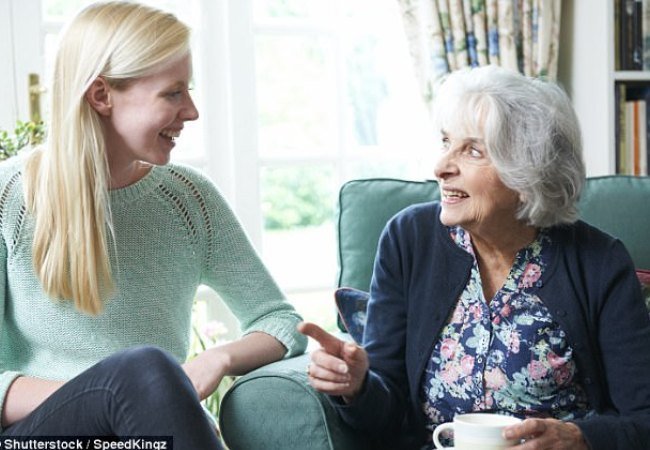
x=173, y=232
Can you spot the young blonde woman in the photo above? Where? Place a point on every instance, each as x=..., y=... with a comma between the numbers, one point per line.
x=103, y=245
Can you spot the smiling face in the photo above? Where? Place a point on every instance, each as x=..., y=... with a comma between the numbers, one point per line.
x=148, y=114
x=472, y=194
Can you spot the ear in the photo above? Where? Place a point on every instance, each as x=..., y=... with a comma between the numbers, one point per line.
x=98, y=96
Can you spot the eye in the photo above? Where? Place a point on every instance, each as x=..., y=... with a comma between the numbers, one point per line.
x=475, y=152
x=445, y=142
x=174, y=95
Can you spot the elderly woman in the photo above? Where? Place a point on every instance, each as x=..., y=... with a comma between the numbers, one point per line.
x=497, y=298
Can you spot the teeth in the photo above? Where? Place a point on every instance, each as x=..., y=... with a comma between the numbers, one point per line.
x=171, y=134
x=456, y=194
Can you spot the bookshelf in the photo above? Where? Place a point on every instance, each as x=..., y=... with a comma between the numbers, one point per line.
x=588, y=71
x=632, y=75
x=631, y=85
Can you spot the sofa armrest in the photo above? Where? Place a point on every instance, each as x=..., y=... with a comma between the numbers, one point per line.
x=274, y=407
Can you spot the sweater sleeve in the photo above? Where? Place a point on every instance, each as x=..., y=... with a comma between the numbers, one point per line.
x=6, y=377
x=232, y=267
x=623, y=338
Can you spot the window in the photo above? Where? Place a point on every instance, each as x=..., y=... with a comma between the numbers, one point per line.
x=336, y=99
x=296, y=97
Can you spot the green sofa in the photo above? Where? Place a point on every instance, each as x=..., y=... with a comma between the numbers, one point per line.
x=275, y=408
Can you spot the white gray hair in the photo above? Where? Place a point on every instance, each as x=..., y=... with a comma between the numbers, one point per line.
x=531, y=133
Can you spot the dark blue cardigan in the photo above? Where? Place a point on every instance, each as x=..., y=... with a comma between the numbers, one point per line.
x=590, y=288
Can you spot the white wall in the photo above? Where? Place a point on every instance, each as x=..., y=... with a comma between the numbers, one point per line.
x=586, y=72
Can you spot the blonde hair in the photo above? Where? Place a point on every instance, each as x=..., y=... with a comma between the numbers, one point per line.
x=66, y=184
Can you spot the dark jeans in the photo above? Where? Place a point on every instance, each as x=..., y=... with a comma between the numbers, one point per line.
x=137, y=392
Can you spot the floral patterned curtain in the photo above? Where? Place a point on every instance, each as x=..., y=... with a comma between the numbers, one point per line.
x=445, y=35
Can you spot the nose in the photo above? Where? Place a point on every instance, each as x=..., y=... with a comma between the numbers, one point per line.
x=445, y=165
x=189, y=111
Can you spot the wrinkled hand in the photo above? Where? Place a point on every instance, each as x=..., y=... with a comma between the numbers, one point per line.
x=205, y=372
x=338, y=367
x=546, y=434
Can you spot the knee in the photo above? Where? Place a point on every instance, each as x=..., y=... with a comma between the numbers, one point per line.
x=150, y=369
x=147, y=357
x=145, y=384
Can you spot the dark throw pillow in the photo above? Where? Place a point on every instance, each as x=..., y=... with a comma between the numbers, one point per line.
x=351, y=305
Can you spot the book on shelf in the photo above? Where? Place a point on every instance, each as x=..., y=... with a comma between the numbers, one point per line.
x=641, y=147
x=636, y=147
x=619, y=125
x=645, y=28
x=637, y=35
x=631, y=34
x=625, y=156
x=632, y=129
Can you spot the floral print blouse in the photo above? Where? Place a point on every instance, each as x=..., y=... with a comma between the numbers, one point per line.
x=508, y=355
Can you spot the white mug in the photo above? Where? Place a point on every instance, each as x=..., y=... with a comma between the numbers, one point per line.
x=477, y=431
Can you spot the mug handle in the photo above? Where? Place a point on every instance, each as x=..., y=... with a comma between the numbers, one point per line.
x=439, y=429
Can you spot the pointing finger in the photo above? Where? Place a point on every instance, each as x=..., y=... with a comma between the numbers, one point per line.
x=330, y=344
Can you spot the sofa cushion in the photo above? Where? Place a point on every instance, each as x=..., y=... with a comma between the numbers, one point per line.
x=364, y=208
x=617, y=205
x=351, y=305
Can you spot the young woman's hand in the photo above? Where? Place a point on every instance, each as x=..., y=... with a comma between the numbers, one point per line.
x=338, y=367
x=234, y=358
x=205, y=372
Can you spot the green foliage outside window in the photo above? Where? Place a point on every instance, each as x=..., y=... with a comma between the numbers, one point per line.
x=25, y=134
x=297, y=197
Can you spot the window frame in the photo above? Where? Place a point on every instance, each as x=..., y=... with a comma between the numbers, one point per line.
x=224, y=53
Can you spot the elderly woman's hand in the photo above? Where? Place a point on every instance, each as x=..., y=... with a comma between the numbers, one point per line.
x=546, y=434
x=338, y=367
